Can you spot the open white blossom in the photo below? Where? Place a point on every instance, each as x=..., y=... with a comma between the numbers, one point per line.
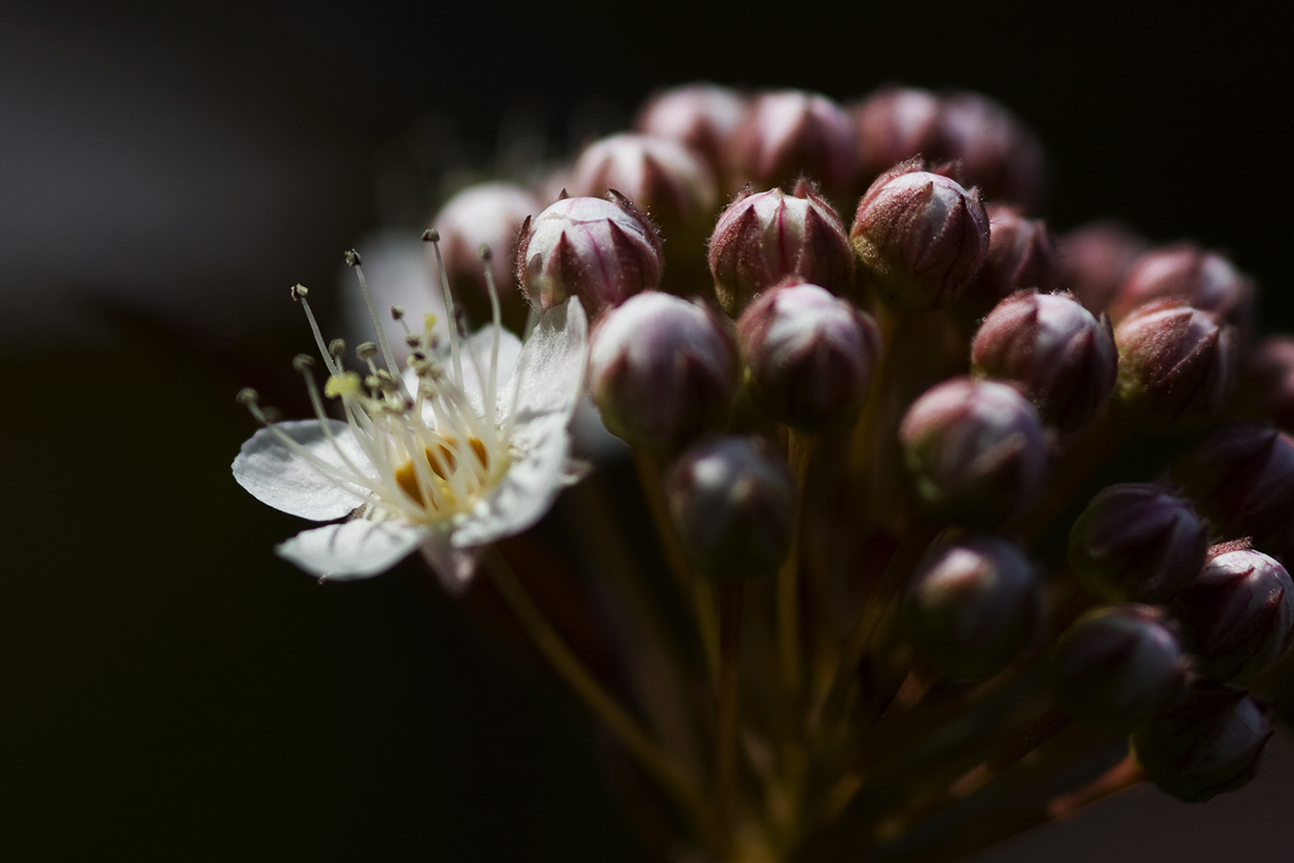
x=468, y=445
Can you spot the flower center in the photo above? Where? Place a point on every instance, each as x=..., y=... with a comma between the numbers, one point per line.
x=443, y=463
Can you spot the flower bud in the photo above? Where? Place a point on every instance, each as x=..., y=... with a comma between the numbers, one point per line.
x=972, y=606
x=1238, y=615
x=1053, y=350
x=1209, y=742
x=1095, y=260
x=1136, y=541
x=810, y=355
x=733, y=502
x=1267, y=381
x=764, y=238
x=486, y=214
x=1204, y=280
x=703, y=117
x=789, y=133
x=602, y=251
x=1117, y=667
x=1021, y=255
x=920, y=237
x=975, y=451
x=1242, y=477
x=663, y=178
x=895, y=124
x=998, y=153
x=662, y=370
x=1177, y=364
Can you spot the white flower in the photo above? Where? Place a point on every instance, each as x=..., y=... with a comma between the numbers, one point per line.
x=469, y=445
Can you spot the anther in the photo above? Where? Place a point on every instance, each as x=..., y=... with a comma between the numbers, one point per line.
x=352, y=258
x=299, y=292
x=431, y=235
x=413, y=340
x=484, y=253
x=337, y=347
x=366, y=350
x=248, y=396
x=397, y=313
x=302, y=362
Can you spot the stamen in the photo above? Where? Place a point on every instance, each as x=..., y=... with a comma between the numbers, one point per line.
x=433, y=236
x=299, y=295
x=366, y=351
x=353, y=260
x=497, y=319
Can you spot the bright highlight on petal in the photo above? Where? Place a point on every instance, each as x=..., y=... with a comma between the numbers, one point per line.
x=466, y=445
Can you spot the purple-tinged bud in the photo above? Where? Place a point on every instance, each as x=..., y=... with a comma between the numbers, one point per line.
x=733, y=502
x=764, y=238
x=602, y=251
x=663, y=178
x=789, y=133
x=1267, y=380
x=1203, y=280
x=1117, y=667
x=973, y=605
x=895, y=124
x=1238, y=615
x=1137, y=541
x=998, y=153
x=1095, y=260
x=1210, y=742
x=1021, y=256
x=1177, y=364
x=1053, y=350
x=810, y=355
x=1242, y=478
x=662, y=370
x=486, y=214
x=975, y=451
x=920, y=237
x=703, y=117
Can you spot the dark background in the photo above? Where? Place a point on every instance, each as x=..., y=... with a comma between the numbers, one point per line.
x=171, y=690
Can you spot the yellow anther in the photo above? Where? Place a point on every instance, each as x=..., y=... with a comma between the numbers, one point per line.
x=344, y=384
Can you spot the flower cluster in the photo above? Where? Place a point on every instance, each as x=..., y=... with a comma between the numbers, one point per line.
x=959, y=525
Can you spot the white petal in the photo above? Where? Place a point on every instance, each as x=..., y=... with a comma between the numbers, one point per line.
x=550, y=370
x=524, y=493
x=354, y=549
x=453, y=566
x=277, y=475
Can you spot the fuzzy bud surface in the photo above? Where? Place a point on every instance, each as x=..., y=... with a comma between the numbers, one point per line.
x=662, y=369
x=1242, y=477
x=1021, y=256
x=975, y=451
x=703, y=117
x=894, y=124
x=1095, y=260
x=1204, y=280
x=602, y=251
x=810, y=355
x=998, y=153
x=792, y=132
x=920, y=237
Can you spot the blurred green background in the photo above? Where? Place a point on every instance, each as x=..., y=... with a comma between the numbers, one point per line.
x=169, y=689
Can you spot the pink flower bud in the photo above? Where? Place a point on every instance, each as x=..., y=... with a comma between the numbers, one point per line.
x=895, y=124
x=973, y=605
x=1095, y=260
x=1211, y=741
x=1267, y=381
x=1137, y=541
x=1053, y=350
x=764, y=238
x=1021, y=256
x=733, y=501
x=486, y=214
x=810, y=355
x=1177, y=364
x=920, y=237
x=791, y=132
x=975, y=451
x=1117, y=667
x=1238, y=615
x=662, y=370
x=703, y=117
x=1242, y=477
x=663, y=178
x=998, y=153
x=1201, y=279
x=602, y=251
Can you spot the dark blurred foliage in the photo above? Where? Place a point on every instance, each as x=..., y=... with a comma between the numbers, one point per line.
x=171, y=690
